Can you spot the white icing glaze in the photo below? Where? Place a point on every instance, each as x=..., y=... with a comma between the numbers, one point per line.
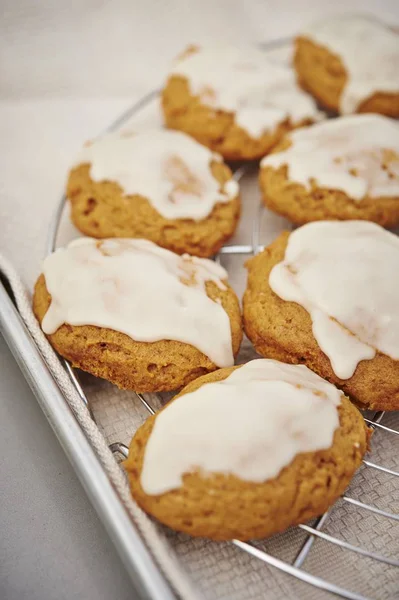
x=345, y=274
x=140, y=289
x=168, y=168
x=369, y=51
x=244, y=81
x=345, y=154
x=251, y=425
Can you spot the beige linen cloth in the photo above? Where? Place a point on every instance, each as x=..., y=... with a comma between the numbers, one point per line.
x=39, y=132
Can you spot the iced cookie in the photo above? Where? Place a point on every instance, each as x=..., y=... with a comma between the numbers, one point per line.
x=234, y=100
x=350, y=63
x=247, y=452
x=345, y=168
x=327, y=296
x=136, y=314
x=160, y=185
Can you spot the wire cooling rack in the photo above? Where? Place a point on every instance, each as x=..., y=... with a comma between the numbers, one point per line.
x=312, y=532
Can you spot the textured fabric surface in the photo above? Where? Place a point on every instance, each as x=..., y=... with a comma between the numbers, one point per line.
x=45, y=114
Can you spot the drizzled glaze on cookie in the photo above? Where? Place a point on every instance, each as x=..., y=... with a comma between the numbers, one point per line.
x=358, y=155
x=345, y=275
x=369, y=51
x=168, y=168
x=141, y=290
x=251, y=424
x=244, y=81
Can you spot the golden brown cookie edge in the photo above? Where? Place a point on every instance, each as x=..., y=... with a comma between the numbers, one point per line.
x=140, y=366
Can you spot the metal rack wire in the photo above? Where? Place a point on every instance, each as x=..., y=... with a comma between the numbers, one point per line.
x=295, y=568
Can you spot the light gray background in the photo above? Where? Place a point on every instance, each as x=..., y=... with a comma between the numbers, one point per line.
x=66, y=70
x=52, y=545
